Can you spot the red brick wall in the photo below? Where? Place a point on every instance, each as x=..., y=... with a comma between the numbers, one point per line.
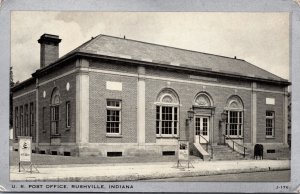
x=113, y=66
x=196, y=77
x=187, y=92
x=49, y=53
x=22, y=101
x=67, y=134
x=99, y=94
x=266, y=86
x=57, y=72
x=278, y=108
x=25, y=89
x=234, y=82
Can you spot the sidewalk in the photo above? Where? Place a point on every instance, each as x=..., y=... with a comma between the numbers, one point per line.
x=143, y=171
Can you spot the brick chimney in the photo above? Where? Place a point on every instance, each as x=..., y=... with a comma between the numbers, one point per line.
x=49, y=49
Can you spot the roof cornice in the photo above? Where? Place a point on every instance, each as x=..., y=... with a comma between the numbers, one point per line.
x=22, y=84
x=205, y=71
x=186, y=69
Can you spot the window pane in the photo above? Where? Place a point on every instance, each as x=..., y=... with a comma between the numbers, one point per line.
x=269, y=113
x=175, y=127
x=175, y=114
x=234, y=125
x=169, y=120
x=43, y=117
x=157, y=112
x=109, y=103
x=54, y=119
x=197, y=126
x=113, y=103
x=270, y=123
x=240, y=117
x=31, y=114
x=16, y=117
x=166, y=127
x=68, y=114
x=113, y=116
x=117, y=127
x=56, y=113
x=107, y=127
x=204, y=123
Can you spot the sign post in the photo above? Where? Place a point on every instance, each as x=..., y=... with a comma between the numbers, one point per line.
x=25, y=145
x=183, y=153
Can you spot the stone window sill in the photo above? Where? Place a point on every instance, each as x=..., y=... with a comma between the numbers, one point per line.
x=114, y=135
x=167, y=136
x=270, y=137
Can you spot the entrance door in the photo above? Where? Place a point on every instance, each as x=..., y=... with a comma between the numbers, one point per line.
x=201, y=127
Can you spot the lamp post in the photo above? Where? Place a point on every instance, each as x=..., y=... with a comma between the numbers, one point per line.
x=191, y=114
x=223, y=116
x=222, y=127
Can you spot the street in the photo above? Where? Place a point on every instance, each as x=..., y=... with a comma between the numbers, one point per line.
x=269, y=176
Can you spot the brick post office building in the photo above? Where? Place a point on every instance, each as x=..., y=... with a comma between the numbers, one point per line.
x=118, y=96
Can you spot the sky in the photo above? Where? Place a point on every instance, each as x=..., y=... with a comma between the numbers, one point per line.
x=259, y=38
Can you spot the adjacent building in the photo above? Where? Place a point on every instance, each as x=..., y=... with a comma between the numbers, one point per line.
x=115, y=96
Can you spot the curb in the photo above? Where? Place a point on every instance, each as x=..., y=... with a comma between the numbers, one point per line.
x=141, y=177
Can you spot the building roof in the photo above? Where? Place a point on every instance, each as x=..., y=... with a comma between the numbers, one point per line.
x=142, y=51
x=133, y=51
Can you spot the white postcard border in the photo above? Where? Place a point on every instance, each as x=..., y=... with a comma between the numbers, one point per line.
x=147, y=5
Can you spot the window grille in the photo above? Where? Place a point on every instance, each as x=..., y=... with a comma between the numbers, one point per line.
x=113, y=116
x=270, y=118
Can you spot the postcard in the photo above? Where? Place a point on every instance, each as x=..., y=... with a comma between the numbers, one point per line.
x=149, y=96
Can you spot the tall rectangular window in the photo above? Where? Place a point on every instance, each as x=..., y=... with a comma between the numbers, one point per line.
x=16, y=122
x=166, y=120
x=21, y=121
x=43, y=119
x=31, y=118
x=270, y=123
x=54, y=120
x=234, y=123
x=26, y=120
x=158, y=120
x=68, y=114
x=113, y=116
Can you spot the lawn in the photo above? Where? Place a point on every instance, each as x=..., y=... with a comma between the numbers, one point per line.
x=44, y=159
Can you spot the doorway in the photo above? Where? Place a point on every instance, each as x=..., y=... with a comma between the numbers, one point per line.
x=201, y=129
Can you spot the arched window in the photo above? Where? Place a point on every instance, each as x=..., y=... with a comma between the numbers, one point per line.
x=234, y=121
x=55, y=102
x=203, y=99
x=167, y=108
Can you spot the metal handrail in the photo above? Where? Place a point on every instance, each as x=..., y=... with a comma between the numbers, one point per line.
x=233, y=143
x=207, y=143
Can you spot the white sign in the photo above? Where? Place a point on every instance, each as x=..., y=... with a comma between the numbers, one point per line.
x=25, y=149
x=183, y=150
x=270, y=101
x=114, y=86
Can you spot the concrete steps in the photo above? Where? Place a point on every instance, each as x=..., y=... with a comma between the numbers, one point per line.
x=223, y=152
x=201, y=152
